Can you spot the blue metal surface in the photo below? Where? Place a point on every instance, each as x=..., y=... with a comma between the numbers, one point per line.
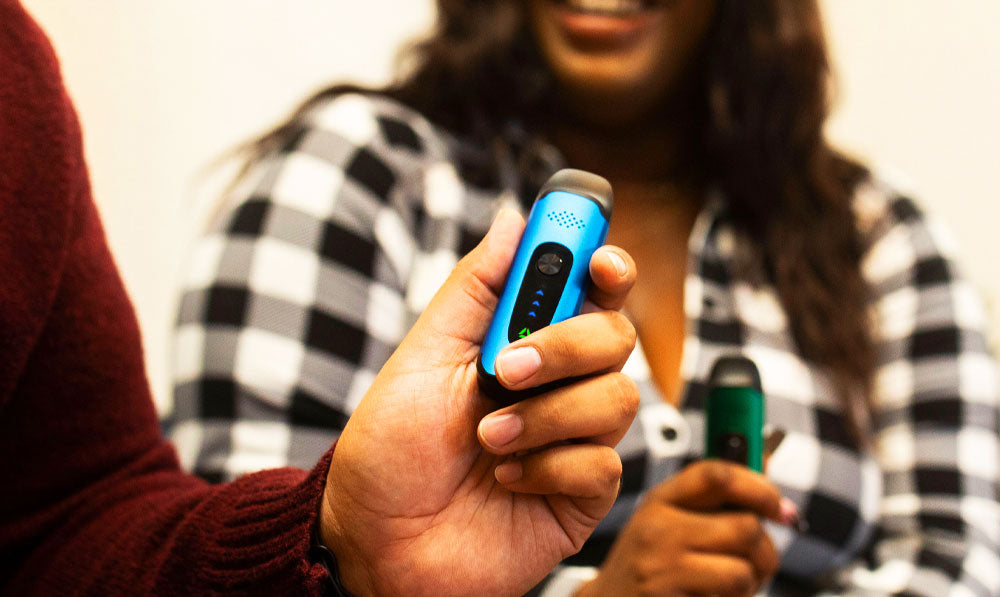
x=571, y=220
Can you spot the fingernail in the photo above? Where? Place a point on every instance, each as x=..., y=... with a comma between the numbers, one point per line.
x=789, y=513
x=501, y=215
x=500, y=430
x=517, y=365
x=619, y=263
x=509, y=472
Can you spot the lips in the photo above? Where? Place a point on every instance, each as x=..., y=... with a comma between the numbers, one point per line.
x=608, y=8
x=599, y=25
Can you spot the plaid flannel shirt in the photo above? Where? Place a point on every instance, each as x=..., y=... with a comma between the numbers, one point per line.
x=331, y=247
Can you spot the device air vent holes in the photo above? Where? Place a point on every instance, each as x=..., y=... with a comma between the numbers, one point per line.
x=566, y=219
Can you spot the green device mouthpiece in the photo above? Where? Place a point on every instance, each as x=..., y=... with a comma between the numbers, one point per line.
x=734, y=413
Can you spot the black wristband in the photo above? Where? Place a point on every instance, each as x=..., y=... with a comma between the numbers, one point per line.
x=321, y=554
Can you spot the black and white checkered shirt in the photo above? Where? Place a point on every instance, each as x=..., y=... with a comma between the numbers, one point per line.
x=333, y=246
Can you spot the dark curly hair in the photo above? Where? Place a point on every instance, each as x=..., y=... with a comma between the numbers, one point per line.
x=765, y=86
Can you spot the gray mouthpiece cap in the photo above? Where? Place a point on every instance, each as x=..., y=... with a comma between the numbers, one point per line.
x=593, y=187
x=734, y=372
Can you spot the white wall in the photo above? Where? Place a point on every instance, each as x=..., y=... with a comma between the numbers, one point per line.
x=163, y=88
x=920, y=92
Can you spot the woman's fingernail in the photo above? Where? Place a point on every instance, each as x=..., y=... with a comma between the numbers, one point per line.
x=500, y=430
x=789, y=513
x=509, y=472
x=517, y=365
x=619, y=263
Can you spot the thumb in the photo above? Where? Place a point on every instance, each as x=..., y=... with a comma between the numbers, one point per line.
x=463, y=307
x=490, y=261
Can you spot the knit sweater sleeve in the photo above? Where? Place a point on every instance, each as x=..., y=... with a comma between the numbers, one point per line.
x=94, y=501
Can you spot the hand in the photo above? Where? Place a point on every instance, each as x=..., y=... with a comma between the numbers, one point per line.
x=425, y=496
x=699, y=533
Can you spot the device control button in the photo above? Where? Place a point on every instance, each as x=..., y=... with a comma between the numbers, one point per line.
x=550, y=264
x=733, y=447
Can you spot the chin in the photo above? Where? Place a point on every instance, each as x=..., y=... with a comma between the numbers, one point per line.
x=609, y=91
x=619, y=57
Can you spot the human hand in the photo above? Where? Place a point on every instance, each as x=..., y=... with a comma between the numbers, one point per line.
x=415, y=501
x=698, y=533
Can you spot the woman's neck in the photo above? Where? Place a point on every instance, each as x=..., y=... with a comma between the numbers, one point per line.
x=660, y=149
x=627, y=156
x=658, y=187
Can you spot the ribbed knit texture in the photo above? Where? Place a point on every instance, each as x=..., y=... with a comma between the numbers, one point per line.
x=92, y=500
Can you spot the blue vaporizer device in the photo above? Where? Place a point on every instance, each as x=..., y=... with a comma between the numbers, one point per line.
x=734, y=413
x=551, y=271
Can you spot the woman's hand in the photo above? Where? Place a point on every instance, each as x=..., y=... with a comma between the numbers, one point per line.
x=429, y=493
x=698, y=533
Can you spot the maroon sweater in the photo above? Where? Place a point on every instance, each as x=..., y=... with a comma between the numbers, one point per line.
x=91, y=497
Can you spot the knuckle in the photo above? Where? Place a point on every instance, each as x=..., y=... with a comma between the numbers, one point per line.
x=643, y=539
x=771, y=561
x=625, y=395
x=555, y=339
x=623, y=329
x=740, y=579
x=648, y=537
x=750, y=528
x=554, y=345
x=770, y=567
x=646, y=569
x=612, y=469
x=655, y=529
x=647, y=586
x=715, y=474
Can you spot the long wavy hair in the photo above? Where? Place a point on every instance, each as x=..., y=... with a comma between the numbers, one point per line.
x=765, y=85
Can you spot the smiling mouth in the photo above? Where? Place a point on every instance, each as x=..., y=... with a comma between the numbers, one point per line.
x=609, y=8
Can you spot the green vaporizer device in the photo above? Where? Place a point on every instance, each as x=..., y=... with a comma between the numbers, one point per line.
x=734, y=413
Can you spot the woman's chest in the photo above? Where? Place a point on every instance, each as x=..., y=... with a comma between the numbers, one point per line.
x=836, y=487
x=655, y=305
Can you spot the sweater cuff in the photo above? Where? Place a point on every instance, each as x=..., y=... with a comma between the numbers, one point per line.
x=256, y=532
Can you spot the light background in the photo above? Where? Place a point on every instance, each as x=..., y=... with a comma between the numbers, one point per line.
x=165, y=88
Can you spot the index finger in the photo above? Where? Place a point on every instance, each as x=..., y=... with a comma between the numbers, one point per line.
x=613, y=273
x=713, y=484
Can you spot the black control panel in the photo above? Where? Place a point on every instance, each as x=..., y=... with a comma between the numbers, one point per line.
x=733, y=447
x=541, y=289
